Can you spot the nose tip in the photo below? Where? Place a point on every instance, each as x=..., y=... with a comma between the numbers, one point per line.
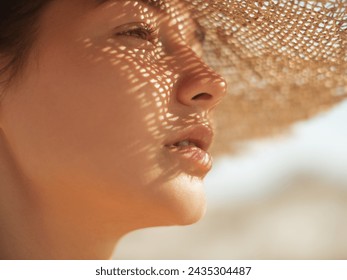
x=201, y=87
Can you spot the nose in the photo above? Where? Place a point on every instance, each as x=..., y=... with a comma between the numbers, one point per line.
x=199, y=85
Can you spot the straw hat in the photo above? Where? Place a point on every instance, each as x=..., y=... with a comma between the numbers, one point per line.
x=284, y=60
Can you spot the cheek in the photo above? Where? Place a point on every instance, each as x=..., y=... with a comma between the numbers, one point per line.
x=80, y=117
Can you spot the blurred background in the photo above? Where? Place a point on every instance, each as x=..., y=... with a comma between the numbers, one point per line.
x=279, y=198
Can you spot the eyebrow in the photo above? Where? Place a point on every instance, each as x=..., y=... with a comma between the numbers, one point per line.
x=159, y=5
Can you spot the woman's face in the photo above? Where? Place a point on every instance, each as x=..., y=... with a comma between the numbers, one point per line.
x=109, y=90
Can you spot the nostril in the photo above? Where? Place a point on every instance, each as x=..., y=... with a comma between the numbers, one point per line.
x=202, y=96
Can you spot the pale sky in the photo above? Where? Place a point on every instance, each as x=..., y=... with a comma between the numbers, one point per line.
x=316, y=147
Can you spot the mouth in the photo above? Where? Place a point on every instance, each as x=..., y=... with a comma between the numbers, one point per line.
x=189, y=148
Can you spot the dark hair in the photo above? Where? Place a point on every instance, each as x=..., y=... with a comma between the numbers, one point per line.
x=18, y=26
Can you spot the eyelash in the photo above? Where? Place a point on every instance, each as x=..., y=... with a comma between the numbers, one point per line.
x=142, y=31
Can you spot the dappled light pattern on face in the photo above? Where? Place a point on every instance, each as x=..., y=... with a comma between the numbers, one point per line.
x=167, y=81
x=114, y=109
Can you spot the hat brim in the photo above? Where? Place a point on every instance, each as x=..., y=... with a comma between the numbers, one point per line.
x=284, y=60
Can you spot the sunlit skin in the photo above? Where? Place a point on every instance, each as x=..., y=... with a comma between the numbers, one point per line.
x=83, y=130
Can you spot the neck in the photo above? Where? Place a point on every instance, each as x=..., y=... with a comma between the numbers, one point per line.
x=30, y=230
x=33, y=226
x=28, y=233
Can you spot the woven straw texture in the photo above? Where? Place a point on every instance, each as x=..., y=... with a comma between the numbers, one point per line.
x=284, y=60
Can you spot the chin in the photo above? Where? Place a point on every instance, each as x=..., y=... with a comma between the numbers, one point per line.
x=181, y=202
x=192, y=215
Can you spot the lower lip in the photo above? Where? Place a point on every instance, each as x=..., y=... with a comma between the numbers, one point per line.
x=193, y=160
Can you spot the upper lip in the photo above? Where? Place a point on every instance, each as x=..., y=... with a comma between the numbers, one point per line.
x=200, y=135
